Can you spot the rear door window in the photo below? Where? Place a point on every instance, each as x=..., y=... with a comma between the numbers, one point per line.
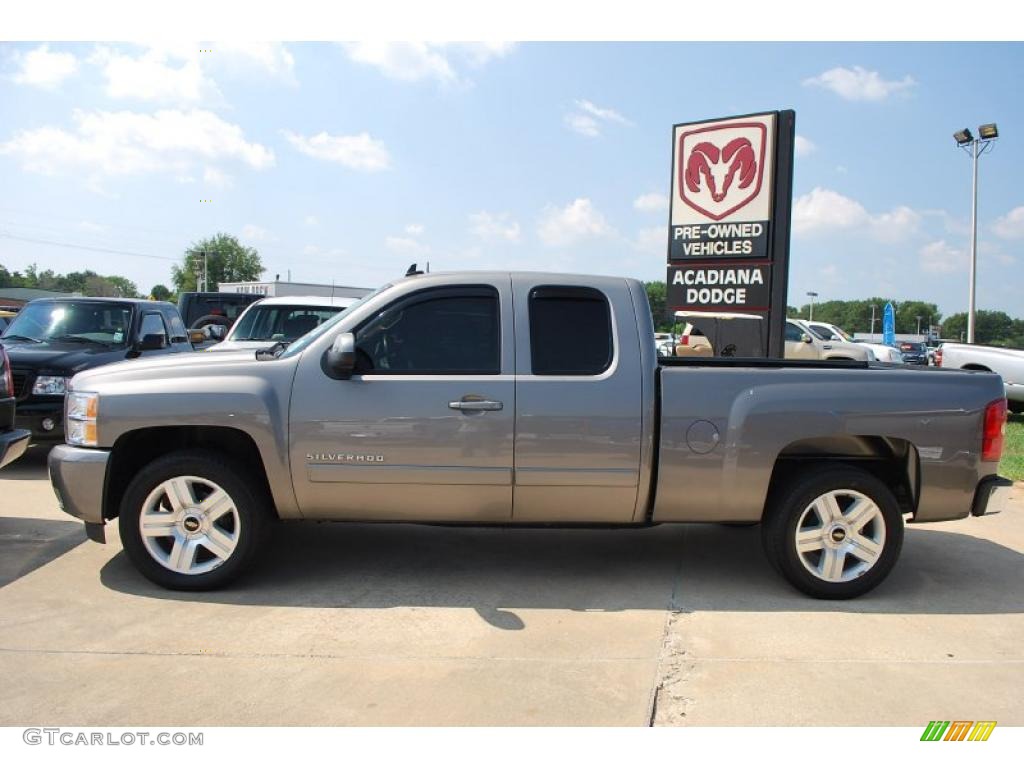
x=570, y=331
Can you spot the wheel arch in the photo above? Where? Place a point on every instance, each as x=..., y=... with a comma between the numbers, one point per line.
x=134, y=450
x=892, y=460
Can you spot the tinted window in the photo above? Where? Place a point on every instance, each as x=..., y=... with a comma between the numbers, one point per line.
x=152, y=324
x=793, y=333
x=177, y=327
x=570, y=331
x=453, y=331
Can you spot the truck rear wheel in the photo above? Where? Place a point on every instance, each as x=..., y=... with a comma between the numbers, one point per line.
x=834, y=533
x=192, y=520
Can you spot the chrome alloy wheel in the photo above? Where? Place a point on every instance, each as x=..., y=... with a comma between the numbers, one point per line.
x=189, y=525
x=840, y=535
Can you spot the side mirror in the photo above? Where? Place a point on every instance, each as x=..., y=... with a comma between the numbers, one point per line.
x=340, y=360
x=196, y=336
x=151, y=341
x=805, y=338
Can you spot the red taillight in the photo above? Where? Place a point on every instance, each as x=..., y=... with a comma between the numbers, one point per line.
x=995, y=427
x=7, y=382
x=685, y=341
x=938, y=358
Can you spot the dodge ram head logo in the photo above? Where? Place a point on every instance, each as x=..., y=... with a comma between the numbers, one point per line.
x=720, y=168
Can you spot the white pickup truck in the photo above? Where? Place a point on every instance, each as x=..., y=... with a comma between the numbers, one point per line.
x=1008, y=363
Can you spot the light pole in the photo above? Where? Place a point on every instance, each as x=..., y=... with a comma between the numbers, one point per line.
x=918, y=324
x=813, y=295
x=975, y=147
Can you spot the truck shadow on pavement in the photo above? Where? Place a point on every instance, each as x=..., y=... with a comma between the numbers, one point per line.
x=497, y=570
x=27, y=543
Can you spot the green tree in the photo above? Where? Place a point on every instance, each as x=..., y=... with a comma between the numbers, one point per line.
x=160, y=292
x=227, y=259
x=995, y=328
x=657, y=296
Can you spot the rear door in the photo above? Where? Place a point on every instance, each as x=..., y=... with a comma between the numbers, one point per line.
x=578, y=402
x=424, y=429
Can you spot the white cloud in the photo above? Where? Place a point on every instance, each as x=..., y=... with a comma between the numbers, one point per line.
x=310, y=220
x=578, y=221
x=157, y=74
x=406, y=246
x=824, y=211
x=652, y=241
x=1010, y=226
x=414, y=229
x=414, y=61
x=252, y=232
x=361, y=151
x=92, y=227
x=942, y=258
x=179, y=74
x=44, y=69
x=859, y=84
x=215, y=177
x=122, y=143
x=652, y=202
x=590, y=118
x=804, y=146
x=494, y=226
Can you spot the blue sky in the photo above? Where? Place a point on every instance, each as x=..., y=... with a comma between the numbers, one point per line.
x=348, y=162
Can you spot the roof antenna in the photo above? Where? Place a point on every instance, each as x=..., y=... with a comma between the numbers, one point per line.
x=413, y=271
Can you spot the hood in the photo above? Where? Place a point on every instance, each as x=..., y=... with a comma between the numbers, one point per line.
x=61, y=357
x=185, y=365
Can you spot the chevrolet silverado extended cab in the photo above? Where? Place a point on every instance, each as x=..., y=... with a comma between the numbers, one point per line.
x=452, y=398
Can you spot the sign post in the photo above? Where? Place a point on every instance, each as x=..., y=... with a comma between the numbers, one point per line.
x=729, y=220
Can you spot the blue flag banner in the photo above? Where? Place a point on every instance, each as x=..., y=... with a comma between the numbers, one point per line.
x=889, y=325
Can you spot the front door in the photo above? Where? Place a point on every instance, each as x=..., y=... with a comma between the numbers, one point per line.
x=424, y=428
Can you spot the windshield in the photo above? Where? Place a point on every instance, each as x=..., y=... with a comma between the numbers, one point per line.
x=276, y=322
x=309, y=338
x=72, y=321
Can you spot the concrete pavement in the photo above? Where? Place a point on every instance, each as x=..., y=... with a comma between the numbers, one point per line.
x=403, y=625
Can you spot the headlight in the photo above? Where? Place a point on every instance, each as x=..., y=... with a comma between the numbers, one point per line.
x=80, y=421
x=49, y=385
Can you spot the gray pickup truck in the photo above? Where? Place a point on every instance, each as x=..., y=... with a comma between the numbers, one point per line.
x=454, y=398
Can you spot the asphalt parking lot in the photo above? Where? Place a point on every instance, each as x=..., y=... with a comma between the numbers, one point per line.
x=418, y=625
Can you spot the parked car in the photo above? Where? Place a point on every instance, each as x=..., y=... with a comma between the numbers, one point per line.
x=13, y=441
x=452, y=398
x=720, y=334
x=665, y=343
x=914, y=352
x=883, y=352
x=803, y=343
x=53, y=339
x=1008, y=363
x=201, y=309
x=280, y=320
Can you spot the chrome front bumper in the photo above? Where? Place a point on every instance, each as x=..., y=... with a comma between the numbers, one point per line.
x=992, y=496
x=78, y=476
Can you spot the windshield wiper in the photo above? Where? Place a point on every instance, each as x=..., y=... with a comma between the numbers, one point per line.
x=85, y=339
x=23, y=338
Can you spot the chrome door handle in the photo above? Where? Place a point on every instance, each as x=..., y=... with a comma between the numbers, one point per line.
x=476, y=405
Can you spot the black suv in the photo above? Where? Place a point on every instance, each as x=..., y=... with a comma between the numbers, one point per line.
x=914, y=352
x=51, y=340
x=13, y=442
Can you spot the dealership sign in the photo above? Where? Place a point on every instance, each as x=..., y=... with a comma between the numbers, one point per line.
x=729, y=218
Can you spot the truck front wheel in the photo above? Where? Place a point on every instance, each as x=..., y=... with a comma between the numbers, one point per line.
x=191, y=520
x=834, y=533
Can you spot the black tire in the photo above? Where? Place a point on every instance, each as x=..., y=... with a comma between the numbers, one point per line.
x=1015, y=406
x=206, y=320
x=792, y=503
x=250, y=511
